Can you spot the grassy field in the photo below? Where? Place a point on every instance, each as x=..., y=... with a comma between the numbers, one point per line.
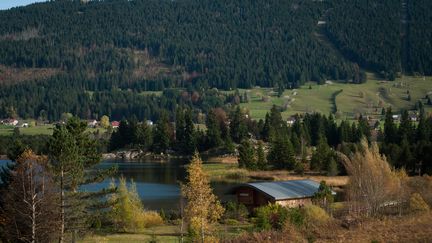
x=165, y=233
x=37, y=130
x=367, y=98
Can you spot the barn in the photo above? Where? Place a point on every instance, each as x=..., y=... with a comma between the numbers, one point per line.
x=292, y=193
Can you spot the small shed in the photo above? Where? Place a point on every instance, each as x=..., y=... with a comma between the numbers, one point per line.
x=292, y=193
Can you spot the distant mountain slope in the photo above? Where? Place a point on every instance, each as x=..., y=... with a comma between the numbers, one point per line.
x=386, y=36
x=103, y=54
x=228, y=43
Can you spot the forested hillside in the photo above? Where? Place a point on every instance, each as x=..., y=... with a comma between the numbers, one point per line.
x=385, y=36
x=92, y=58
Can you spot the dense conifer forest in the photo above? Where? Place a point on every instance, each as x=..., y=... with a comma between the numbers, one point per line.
x=104, y=54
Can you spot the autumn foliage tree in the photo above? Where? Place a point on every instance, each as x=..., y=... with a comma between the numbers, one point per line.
x=372, y=182
x=29, y=202
x=202, y=208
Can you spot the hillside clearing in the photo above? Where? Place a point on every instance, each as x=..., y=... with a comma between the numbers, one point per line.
x=354, y=99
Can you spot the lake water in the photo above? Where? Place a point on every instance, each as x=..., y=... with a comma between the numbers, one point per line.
x=157, y=182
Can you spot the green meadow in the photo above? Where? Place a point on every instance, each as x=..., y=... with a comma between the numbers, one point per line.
x=348, y=99
x=36, y=130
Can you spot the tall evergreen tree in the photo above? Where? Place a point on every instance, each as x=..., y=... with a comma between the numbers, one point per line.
x=281, y=154
x=213, y=130
x=406, y=128
x=180, y=128
x=238, y=127
x=261, y=158
x=364, y=128
x=161, y=135
x=189, y=143
x=247, y=156
x=390, y=130
x=73, y=156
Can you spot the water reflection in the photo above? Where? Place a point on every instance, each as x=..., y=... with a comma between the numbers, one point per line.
x=157, y=182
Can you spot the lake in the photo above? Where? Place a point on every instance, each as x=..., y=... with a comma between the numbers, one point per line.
x=157, y=182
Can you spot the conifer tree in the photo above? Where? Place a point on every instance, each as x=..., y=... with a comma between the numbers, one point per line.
x=189, y=143
x=390, y=130
x=144, y=136
x=261, y=158
x=161, y=136
x=238, y=127
x=247, y=158
x=281, y=154
x=73, y=156
x=180, y=128
x=213, y=130
x=406, y=128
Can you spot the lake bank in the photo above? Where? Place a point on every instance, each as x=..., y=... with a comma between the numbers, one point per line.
x=231, y=173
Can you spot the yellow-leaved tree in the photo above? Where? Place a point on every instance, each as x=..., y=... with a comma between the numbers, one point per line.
x=105, y=122
x=203, y=209
x=372, y=183
x=127, y=211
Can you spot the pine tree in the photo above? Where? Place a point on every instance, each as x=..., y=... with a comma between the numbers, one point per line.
x=144, y=136
x=406, y=128
x=422, y=131
x=247, y=157
x=213, y=130
x=332, y=167
x=281, y=154
x=180, y=129
x=390, y=130
x=261, y=158
x=364, y=129
x=73, y=156
x=203, y=208
x=406, y=159
x=238, y=127
x=161, y=137
x=189, y=143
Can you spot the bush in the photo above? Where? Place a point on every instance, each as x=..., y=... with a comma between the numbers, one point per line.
x=151, y=219
x=236, y=211
x=417, y=204
x=315, y=215
x=231, y=222
x=272, y=216
x=296, y=217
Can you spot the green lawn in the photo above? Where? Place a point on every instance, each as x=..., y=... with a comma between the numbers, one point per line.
x=367, y=98
x=37, y=130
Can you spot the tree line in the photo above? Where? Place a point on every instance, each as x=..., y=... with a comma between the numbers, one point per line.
x=264, y=144
x=407, y=144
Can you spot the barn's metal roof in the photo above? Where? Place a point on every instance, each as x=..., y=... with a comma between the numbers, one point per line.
x=281, y=190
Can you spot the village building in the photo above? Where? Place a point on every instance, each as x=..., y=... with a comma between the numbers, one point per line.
x=291, y=120
x=292, y=193
x=92, y=123
x=149, y=122
x=11, y=122
x=115, y=124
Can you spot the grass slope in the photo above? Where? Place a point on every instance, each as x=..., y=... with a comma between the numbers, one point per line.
x=367, y=98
